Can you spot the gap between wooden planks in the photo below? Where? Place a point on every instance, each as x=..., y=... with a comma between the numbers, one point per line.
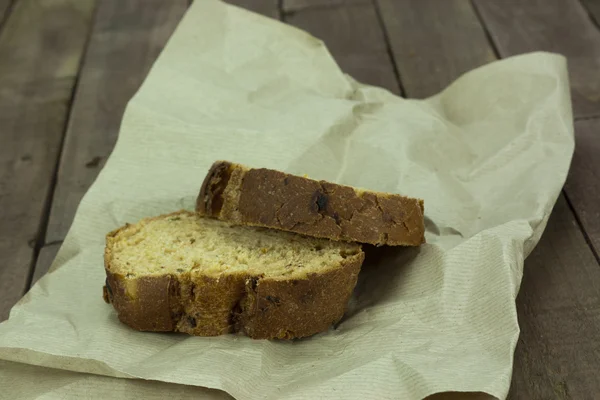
x=354, y=37
x=593, y=8
x=583, y=184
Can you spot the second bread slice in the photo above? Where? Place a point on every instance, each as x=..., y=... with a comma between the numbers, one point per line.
x=184, y=273
x=273, y=199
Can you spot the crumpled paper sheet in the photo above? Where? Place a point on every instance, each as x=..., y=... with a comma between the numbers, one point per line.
x=489, y=155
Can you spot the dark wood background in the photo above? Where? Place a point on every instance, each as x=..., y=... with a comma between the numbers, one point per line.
x=68, y=68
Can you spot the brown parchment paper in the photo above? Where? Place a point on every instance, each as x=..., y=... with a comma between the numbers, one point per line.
x=489, y=155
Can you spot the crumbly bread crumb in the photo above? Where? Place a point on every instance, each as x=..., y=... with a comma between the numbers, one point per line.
x=186, y=243
x=181, y=272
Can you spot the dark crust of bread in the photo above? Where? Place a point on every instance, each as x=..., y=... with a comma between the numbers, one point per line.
x=260, y=307
x=277, y=200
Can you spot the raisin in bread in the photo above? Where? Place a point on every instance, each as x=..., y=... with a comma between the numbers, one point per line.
x=181, y=272
x=273, y=199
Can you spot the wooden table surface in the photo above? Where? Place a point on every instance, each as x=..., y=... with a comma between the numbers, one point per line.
x=68, y=68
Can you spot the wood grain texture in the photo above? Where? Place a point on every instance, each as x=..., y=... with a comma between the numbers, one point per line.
x=44, y=260
x=561, y=26
x=593, y=8
x=433, y=45
x=41, y=45
x=355, y=39
x=269, y=8
x=559, y=314
x=297, y=5
x=127, y=37
x=583, y=183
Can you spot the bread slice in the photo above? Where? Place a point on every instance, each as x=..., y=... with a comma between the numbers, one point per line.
x=273, y=199
x=181, y=272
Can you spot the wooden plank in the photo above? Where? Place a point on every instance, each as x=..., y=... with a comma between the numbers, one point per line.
x=354, y=37
x=558, y=354
x=44, y=261
x=127, y=37
x=297, y=5
x=561, y=26
x=433, y=45
x=270, y=8
x=40, y=49
x=593, y=8
x=583, y=183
